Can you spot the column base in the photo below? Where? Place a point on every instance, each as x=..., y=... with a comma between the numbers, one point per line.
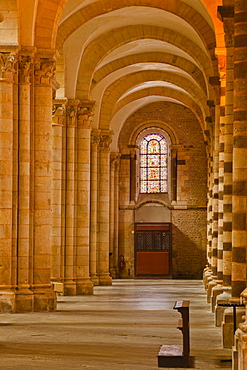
x=24, y=301
x=58, y=288
x=105, y=280
x=45, y=300
x=94, y=279
x=215, y=291
x=7, y=302
x=227, y=326
x=69, y=288
x=113, y=273
x=84, y=287
x=219, y=310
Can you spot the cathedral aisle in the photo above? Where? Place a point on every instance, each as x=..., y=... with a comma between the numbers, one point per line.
x=118, y=328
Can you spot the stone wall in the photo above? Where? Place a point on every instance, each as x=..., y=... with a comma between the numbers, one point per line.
x=188, y=209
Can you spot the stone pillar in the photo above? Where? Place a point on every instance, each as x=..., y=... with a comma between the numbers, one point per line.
x=95, y=139
x=113, y=216
x=84, y=116
x=116, y=216
x=239, y=200
x=24, y=296
x=7, y=301
x=215, y=200
x=58, y=120
x=222, y=68
x=69, y=250
x=104, y=201
x=44, y=69
x=227, y=15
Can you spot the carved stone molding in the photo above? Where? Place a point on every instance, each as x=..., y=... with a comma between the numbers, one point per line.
x=59, y=111
x=95, y=139
x=25, y=68
x=105, y=142
x=85, y=113
x=44, y=71
x=7, y=66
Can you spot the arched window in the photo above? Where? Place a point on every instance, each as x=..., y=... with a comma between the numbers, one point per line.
x=153, y=164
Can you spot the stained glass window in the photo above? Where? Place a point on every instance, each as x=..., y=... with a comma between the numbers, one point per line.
x=153, y=164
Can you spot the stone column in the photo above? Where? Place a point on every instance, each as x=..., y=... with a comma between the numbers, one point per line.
x=84, y=116
x=58, y=119
x=7, y=71
x=113, y=210
x=239, y=200
x=24, y=296
x=116, y=217
x=215, y=200
x=44, y=69
x=70, y=160
x=222, y=68
x=226, y=14
x=95, y=139
x=104, y=201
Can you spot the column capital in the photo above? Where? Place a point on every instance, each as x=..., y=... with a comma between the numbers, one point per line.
x=59, y=111
x=45, y=66
x=25, y=68
x=114, y=157
x=8, y=63
x=105, y=140
x=95, y=139
x=85, y=116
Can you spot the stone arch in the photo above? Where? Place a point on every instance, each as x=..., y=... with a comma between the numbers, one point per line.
x=154, y=57
x=112, y=98
x=101, y=46
x=48, y=16
x=95, y=9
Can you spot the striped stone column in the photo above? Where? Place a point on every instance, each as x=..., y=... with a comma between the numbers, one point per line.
x=215, y=199
x=44, y=69
x=104, y=214
x=95, y=139
x=222, y=68
x=239, y=200
x=209, y=211
x=7, y=71
x=228, y=149
x=83, y=137
x=24, y=296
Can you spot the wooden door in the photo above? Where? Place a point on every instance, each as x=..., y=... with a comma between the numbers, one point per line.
x=152, y=250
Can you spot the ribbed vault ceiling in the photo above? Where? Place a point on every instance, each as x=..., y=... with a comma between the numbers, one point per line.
x=126, y=54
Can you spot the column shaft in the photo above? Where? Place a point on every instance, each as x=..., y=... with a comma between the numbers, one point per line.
x=44, y=296
x=104, y=217
x=95, y=139
x=83, y=283
x=239, y=232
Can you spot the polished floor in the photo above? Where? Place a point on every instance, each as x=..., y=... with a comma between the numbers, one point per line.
x=118, y=328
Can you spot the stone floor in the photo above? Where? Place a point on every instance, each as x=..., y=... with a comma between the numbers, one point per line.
x=118, y=328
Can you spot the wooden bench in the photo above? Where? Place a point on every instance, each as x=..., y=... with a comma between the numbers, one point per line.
x=178, y=355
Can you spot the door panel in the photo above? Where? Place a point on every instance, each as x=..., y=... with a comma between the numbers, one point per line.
x=152, y=250
x=149, y=263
